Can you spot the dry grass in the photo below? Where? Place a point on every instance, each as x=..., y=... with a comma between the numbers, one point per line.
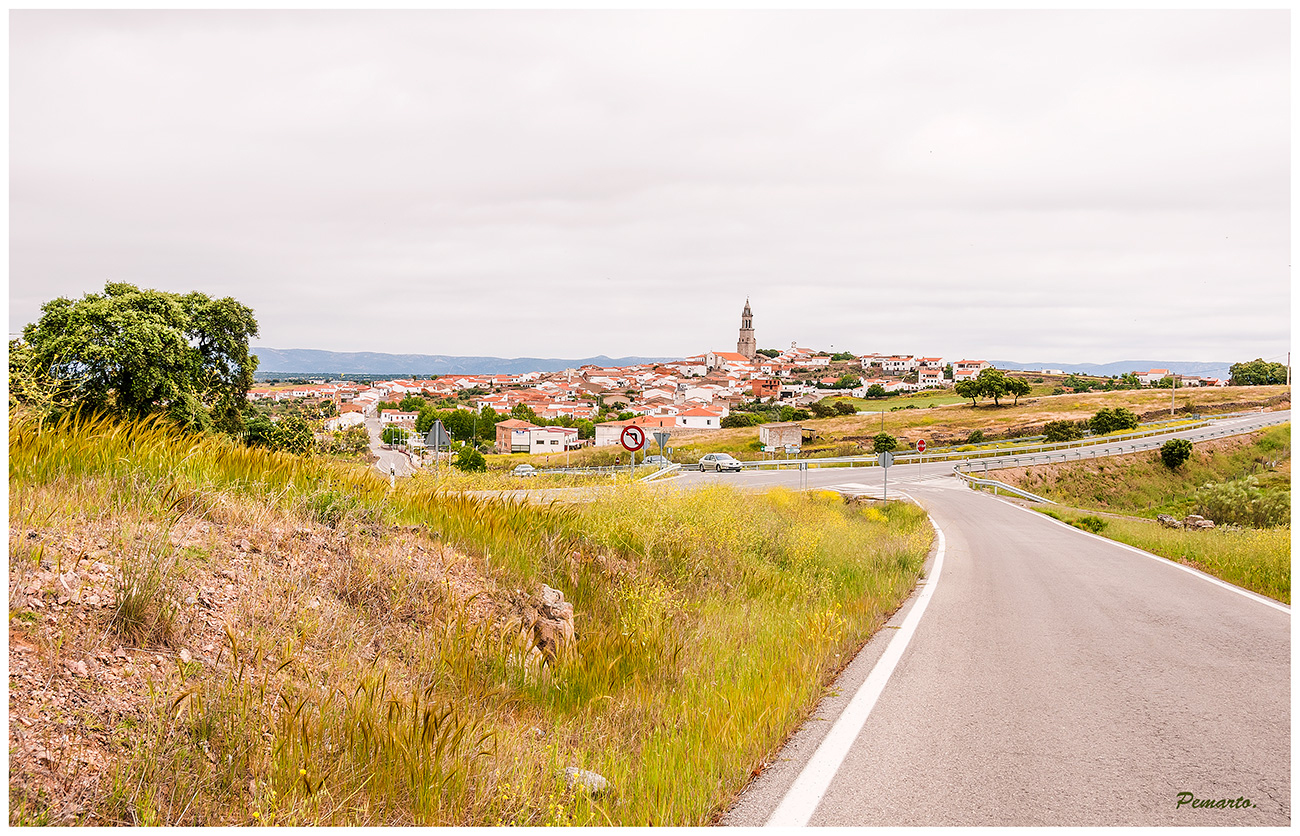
x=342, y=655
x=1141, y=485
x=953, y=423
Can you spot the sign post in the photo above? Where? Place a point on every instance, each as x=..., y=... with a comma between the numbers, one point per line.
x=920, y=448
x=632, y=438
x=886, y=459
x=436, y=437
x=662, y=438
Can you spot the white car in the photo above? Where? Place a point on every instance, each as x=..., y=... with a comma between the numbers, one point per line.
x=718, y=462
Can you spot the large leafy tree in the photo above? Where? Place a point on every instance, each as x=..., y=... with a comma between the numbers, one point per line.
x=135, y=352
x=1258, y=372
x=993, y=383
x=967, y=389
x=1017, y=387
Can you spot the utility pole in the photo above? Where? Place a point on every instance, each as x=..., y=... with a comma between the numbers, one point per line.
x=1172, y=391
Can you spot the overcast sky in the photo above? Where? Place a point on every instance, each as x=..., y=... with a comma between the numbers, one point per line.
x=1033, y=186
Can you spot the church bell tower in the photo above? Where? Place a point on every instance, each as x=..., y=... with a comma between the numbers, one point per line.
x=746, y=345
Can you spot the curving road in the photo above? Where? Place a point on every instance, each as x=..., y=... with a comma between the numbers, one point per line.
x=388, y=458
x=1054, y=678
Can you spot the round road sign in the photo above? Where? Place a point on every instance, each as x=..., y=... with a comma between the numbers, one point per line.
x=632, y=438
x=920, y=446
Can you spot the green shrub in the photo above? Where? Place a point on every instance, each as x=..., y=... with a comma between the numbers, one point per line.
x=975, y=437
x=884, y=442
x=1242, y=502
x=739, y=419
x=470, y=460
x=1113, y=420
x=1057, y=431
x=1090, y=523
x=1175, y=452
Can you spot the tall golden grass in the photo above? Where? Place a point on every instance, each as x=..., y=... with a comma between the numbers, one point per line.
x=708, y=624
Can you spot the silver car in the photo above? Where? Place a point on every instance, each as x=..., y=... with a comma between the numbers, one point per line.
x=718, y=462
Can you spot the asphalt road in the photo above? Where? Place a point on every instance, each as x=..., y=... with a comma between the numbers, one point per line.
x=387, y=458
x=1054, y=678
x=871, y=479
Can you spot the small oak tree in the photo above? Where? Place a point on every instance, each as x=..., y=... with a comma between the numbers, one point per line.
x=1175, y=452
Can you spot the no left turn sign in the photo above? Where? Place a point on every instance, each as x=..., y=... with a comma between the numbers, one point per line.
x=632, y=438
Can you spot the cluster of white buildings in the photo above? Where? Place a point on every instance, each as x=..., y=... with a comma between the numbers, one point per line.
x=694, y=393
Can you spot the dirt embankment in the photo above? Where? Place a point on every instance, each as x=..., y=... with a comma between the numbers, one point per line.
x=79, y=692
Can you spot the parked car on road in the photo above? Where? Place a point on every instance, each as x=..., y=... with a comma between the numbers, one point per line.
x=718, y=462
x=524, y=470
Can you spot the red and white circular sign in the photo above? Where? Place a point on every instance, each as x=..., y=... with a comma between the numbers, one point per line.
x=632, y=438
x=920, y=446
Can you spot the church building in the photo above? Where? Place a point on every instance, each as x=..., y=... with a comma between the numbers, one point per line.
x=747, y=345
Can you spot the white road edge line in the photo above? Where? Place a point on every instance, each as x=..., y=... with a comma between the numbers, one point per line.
x=803, y=796
x=1245, y=593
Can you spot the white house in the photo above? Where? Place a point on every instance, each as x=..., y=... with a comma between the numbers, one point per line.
x=342, y=422
x=970, y=366
x=869, y=360
x=898, y=364
x=552, y=439
x=392, y=416
x=701, y=418
x=1153, y=376
x=930, y=362
x=930, y=378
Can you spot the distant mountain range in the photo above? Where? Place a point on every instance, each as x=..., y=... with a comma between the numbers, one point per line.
x=304, y=361
x=282, y=361
x=1122, y=367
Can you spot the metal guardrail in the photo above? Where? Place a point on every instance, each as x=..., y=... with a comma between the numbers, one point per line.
x=662, y=471
x=1137, y=445
x=1000, y=486
x=949, y=454
x=1043, y=453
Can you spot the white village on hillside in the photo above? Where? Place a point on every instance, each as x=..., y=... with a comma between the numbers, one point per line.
x=694, y=393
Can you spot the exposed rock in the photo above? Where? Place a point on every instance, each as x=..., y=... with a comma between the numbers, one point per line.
x=583, y=779
x=553, y=629
x=1168, y=521
x=547, y=621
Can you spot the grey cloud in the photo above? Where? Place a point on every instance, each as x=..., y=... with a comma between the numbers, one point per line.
x=531, y=183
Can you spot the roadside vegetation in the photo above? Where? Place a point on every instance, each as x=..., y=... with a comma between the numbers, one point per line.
x=1141, y=484
x=912, y=418
x=1254, y=559
x=205, y=633
x=1241, y=483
